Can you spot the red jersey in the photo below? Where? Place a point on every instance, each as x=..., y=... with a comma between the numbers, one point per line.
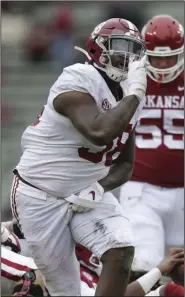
x=160, y=136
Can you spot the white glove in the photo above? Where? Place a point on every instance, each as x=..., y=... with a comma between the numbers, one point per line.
x=86, y=199
x=137, y=78
x=79, y=208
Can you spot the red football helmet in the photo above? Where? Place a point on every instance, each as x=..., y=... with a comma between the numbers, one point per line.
x=173, y=290
x=164, y=37
x=114, y=37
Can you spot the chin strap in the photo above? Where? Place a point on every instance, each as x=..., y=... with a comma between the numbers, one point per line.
x=82, y=51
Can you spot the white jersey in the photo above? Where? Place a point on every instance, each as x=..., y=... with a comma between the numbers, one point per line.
x=56, y=157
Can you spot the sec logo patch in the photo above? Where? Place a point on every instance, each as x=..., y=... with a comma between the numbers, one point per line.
x=106, y=105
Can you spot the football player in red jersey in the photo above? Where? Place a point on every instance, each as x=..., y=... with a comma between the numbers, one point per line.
x=154, y=198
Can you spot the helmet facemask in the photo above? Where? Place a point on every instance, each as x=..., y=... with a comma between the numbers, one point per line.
x=165, y=75
x=121, y=47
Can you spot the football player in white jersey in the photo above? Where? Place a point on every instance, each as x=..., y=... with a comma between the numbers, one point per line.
x=74, y=154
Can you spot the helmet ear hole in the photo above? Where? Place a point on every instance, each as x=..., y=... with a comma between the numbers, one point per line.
x=104, y=59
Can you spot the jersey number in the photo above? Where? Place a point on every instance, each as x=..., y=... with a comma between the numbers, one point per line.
x=95, y=158
x=172, y=139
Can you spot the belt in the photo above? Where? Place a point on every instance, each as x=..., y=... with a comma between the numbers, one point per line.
x=15, y=171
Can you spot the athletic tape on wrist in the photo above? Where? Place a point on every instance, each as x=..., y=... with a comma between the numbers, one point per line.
x=148, y=280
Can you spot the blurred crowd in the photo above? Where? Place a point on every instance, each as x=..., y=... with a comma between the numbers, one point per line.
x=49, y=34
x=47, y=30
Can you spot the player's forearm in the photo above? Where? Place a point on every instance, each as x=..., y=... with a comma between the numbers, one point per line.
x=107, y=126
x=115, y=121
x=118, y=175
x=134, y=289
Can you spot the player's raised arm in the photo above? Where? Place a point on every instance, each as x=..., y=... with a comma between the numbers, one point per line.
x=102, y=128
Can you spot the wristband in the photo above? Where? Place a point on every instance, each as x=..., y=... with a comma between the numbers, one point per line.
x=148, y=280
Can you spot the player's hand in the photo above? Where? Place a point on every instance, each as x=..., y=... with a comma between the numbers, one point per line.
x=137, y=77
x=174, y=256
x=92, y=193
x=174, y=251
x=10, y=240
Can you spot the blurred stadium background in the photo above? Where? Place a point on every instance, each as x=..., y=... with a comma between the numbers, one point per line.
x=37, y=42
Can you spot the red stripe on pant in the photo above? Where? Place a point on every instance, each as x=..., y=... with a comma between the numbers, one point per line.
x=10, y=276
x=13, y=265
x=13, y=194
